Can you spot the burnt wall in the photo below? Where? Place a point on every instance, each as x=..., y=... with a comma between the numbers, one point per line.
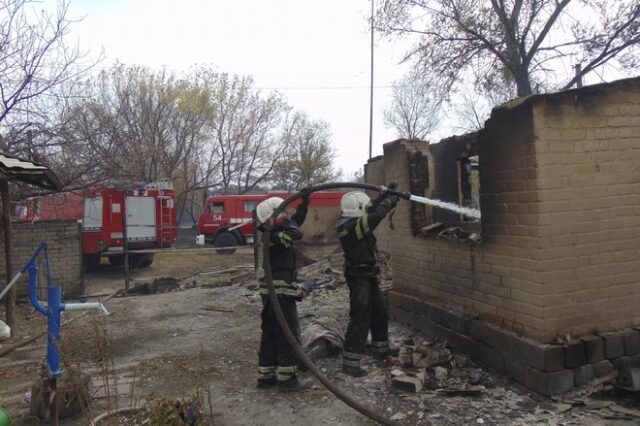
x=560, y=227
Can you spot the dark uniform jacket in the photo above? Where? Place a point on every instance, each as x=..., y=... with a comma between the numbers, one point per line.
x=359, y=243
x=282, y=255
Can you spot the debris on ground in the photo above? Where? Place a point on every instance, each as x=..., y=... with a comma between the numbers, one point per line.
x=322, y=338
x=203, y=336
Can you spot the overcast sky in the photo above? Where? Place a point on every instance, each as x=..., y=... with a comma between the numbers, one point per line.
x=315, y=52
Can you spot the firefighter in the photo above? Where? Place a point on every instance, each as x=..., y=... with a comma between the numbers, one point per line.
x=367, y=309
x=277, y=360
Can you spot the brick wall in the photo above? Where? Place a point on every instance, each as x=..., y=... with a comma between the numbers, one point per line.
x=64, y=249
x=560, y=201
x=587, y=197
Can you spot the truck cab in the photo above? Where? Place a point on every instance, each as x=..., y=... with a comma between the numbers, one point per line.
x=226, y=220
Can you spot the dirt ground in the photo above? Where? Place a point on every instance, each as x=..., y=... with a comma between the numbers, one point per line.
x=201, y=339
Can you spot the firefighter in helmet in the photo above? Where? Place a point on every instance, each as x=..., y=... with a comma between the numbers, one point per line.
x=367, y=309
x=277, y=360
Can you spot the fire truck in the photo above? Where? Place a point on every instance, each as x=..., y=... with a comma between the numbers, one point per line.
x=150, y=218
x=226, y=220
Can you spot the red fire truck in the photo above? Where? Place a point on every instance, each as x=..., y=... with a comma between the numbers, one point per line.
x=150, y=216
x=226, y=220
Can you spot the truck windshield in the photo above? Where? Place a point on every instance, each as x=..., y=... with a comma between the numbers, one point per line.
x=216, y=207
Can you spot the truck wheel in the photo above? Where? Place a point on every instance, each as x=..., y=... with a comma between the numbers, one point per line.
x=116, y=260
x=225, y=239
x=90, y=262
x=144, y=261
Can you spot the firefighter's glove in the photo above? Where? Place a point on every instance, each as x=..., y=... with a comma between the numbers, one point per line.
x=389, y=188
x=305, y=195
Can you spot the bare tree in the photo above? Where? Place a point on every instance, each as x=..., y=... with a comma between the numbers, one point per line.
x=138, y=125
x=310, y=156
x=413, y=111
x=526, y=44
x=243, y=134
x=35, y=59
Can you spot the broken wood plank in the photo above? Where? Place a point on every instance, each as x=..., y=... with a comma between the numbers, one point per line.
x=407, y=383
x=216, y=309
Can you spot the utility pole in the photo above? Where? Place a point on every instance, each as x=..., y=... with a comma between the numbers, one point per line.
x=371, y=98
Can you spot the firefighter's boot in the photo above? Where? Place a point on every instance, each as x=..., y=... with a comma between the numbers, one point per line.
x=266, y=383
x=386, y=352
x=354, y=371
x=294, y=384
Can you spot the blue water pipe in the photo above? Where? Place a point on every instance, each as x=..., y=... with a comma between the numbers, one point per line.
x=54, y=307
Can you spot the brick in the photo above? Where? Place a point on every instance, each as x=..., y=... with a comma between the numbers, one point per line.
x=631, y=342
x=574, y=354
x=583, y=374
x=594, y=347
x=613, y=345
x=551, y=383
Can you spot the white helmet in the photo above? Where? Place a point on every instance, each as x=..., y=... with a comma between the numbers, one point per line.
x=354, y=203
x=265, y=209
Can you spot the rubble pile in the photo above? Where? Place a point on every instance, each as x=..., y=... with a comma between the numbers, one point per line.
x=432, y=365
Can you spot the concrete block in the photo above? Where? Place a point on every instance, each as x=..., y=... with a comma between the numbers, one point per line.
x=492, y=336
x=447, y=318
x=594, y=347
x=631, y=342
x=574, y=354
x=516, y=369
x=613, y=345
x=583, y=374
x=629, y=379
x=626, y=361
x=457, y=340
x=602, y=368
x=541, y=356
x=551, y=383
x=491, y=357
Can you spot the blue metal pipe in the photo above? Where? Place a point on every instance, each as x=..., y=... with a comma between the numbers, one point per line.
x=33, y=285
x=53, y=327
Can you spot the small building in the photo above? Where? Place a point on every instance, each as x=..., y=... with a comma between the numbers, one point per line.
x=546, y=286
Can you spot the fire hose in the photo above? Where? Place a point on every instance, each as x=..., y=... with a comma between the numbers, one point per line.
x=266, y=237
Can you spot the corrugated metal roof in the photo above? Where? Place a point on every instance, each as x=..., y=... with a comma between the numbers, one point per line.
x=14, y=168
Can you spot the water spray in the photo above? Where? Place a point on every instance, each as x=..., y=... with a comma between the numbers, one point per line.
x=466, y=211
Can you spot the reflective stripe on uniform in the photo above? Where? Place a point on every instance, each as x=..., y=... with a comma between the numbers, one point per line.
x=282, y=288
x=343, y=233
x=353, y=355
x=286, y=239
x=352, y=359
x=365, y=224
x=358, y=228
x=351, y=362
x=285, y=373
x=382, y=346
x=265, y=373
